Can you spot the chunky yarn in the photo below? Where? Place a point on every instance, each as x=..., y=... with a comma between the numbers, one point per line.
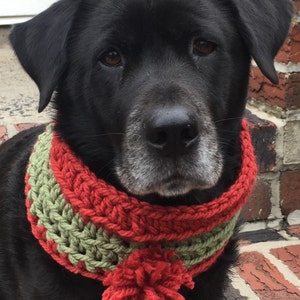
x=140, y=251
x=148, y=274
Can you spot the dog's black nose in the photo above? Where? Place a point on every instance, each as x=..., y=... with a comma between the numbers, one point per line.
x=171, y=130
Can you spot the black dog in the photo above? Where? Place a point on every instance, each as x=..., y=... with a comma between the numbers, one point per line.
x=149, y=95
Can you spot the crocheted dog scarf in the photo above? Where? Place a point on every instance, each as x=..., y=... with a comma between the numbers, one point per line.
x=138, y=250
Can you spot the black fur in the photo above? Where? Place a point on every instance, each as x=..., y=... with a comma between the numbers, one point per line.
x=101, y=108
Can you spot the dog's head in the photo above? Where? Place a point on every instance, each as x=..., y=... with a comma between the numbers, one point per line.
x=150, y=93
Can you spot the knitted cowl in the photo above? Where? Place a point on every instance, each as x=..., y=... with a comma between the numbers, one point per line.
x=138, y=250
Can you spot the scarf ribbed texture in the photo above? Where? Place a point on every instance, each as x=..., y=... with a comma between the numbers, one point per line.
x=140, y=251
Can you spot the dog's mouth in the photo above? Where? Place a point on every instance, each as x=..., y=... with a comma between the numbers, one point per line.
x=166, y=180
x=177, y=185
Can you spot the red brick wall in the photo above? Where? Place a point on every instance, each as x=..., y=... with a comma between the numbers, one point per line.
x=279, y=183
x=286, y=94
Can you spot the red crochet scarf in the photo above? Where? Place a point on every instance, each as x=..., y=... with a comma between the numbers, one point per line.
x=152, y=271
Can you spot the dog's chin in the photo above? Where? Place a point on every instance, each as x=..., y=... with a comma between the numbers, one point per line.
x=178, y=188
x=174, y=188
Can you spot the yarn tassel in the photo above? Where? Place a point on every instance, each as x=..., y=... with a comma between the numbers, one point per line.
x=148, y=274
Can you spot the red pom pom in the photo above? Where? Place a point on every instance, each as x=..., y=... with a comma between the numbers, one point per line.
x=148, y=274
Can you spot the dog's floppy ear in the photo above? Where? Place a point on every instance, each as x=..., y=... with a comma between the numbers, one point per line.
x=40, y=45
x=264, y=25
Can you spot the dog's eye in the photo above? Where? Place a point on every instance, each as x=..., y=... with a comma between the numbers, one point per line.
x=111, y=58
x=203, y=48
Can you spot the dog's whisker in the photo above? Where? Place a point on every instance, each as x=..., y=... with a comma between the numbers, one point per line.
x=228, y=119
x=106, y=134
x=104, y=167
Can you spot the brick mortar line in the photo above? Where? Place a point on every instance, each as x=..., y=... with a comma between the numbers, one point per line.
x=242, y=286
x=283, y=269
x=286, y=236
x=264, y=248
x=293, y=115
x=275, y=198
x=267, y=246
x=296, y=19
x=283, y=67
x=11, y=130
x=287, y=67
x=261, y=225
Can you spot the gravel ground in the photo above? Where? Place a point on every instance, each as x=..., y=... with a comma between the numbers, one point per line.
x=18, y=93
